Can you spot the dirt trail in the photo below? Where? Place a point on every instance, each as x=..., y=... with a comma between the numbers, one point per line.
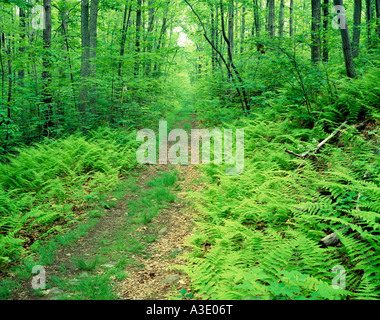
x=156, y=280
x=150, y=275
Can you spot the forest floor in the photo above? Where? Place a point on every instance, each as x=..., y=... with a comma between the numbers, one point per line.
x=121, y=257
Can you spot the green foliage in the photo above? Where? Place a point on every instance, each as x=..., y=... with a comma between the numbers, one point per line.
x=81, y=264
x=184, y=295
x=259, y=232
x=6, y=288
x=53, y=182
x=145, y=208
x=359, y=98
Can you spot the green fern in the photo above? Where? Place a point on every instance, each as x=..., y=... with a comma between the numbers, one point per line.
x=259, y=232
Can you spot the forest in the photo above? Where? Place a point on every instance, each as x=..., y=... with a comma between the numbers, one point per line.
x=81, y=218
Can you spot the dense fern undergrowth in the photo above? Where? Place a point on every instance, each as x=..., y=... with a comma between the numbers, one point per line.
x=48, y=186
x=258, y=234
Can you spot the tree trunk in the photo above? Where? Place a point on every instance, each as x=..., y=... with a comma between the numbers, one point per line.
x=356, y=33
x=315, y=34
x=9, y=76
x=256, y=17
x=230, y=32
x=231, y=65
x=242, y=30
x=346, y=44
x=281, y=19
x=46, y=73
x=93, y=32
x=10, y=83
x=377, y=2
x=291, y=16
x=138, y=35
x=85, y=63
x=213, y=38
x=66, y=56
x=63, y=15
x=160, y=39
x=124, y=36
x=2, y=44
x=271, y=18
x=369, y=20
x=21, y=72
x=149, y=48
x=325, y=49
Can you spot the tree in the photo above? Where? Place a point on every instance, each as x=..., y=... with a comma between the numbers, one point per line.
x=161, y=36
x=149, y=36
x=291, y=14
x=127, y=10
x=256, y=16
x=356, y=33
x=369, y=16
x=93, y=34
x=271, y=15
x=85, y=62
x=89, y=18
x=138, y=35
x=213, y=37
x=315, y=34
x=377, y=8
x=22, y=15
x=46, y=73
x=242, y=29
x=325, y=48
x=230, y=18
x=281, y=19
x=346, y=46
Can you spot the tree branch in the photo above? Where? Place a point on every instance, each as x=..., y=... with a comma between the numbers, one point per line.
x=319, y=144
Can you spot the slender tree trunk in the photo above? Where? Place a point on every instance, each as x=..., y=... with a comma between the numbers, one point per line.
x=236, y=27
x=149, y=48
x=162, y=34
x=46, y=73
x=230, y=65
x=21, y=72
x=271, y=18
x=291, y=17
x=281, y=19
x=369, y=20
x=85, y=63
x=64, y=17
x=346, y=44
x=213, y=39
x=10, y=79
x=256, y=17
x=124, y=36
x=325, y=49
x=138, y=35
x=315, y=34
x=2, y=44
x=242, y=30
x=93, y=32
x=10, y=82
x=356, y=33
x=230, y=31
x=217, y=38
x=377, y=8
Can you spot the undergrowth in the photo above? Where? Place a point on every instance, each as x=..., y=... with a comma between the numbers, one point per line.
x=259, y=233
x=46, y=187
